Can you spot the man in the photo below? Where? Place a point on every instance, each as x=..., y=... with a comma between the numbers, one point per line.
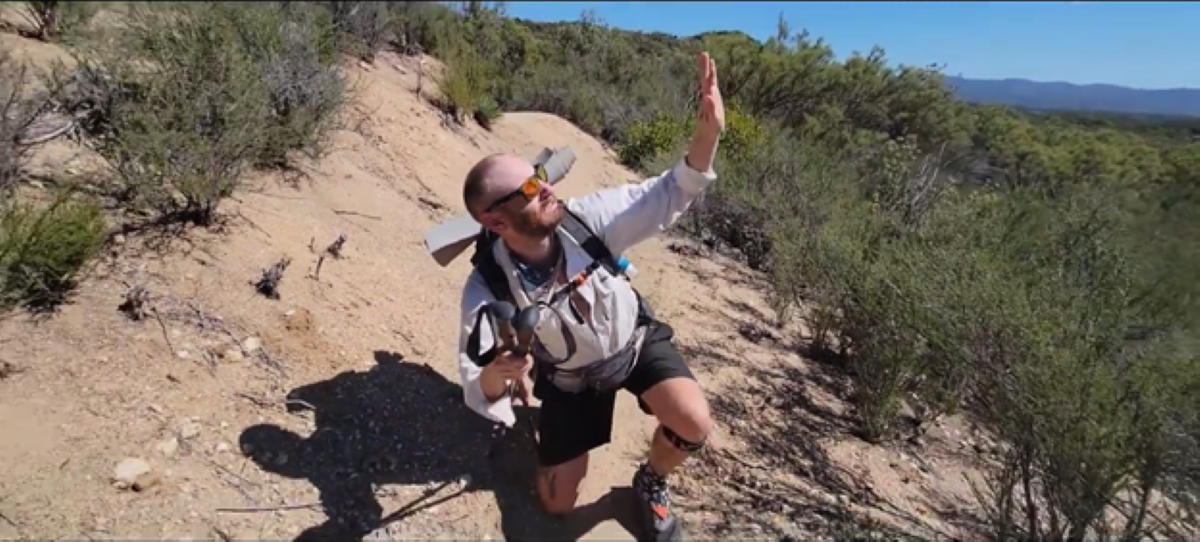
x=596, y=337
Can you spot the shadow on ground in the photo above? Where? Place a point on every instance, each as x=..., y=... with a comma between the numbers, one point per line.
x=404, y=423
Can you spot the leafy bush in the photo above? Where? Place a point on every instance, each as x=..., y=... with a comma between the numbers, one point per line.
x=464, y=83
x=51, y=21
x=43, y=248
x=187, y=97
x=361, y=27
x=648, y=141
x=487, y=112
x=296, y=53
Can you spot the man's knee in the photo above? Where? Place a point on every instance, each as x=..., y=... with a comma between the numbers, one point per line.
x=558, y=486
x=680, y=406
x=689, y=430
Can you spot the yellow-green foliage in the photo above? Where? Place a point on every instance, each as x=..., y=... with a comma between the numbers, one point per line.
x=43, y=248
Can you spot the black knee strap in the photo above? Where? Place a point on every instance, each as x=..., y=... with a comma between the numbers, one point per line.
x=680, y=442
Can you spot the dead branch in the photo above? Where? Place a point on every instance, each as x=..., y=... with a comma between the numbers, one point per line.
x=268, y=284
x=432, y=204
x=8, y=369
x=136, y=304
x=356, y=213
x=264, y=403
x=257, y=509
x=334, y=250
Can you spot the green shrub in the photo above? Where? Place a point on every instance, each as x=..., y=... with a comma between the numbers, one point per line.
x=43, y=249
x=54, y=21
x=188, y=96
x=487, y=112
x=361, y=27
x=295, y=51
x=464, y=83
x=646, y=142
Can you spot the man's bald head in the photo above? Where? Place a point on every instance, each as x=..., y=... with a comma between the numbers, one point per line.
x=492, y=178
x=526, y=218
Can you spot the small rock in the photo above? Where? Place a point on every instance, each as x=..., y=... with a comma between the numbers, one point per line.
x=183, y=354
x=146, y=481
x=233, y=355
x=222, y=447
x=118, y=239
x=251, y=345
x=189, y=429
x=128, y=472
x=168, y=447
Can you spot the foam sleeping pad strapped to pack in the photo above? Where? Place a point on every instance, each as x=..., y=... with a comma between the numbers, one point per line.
x=446, y=241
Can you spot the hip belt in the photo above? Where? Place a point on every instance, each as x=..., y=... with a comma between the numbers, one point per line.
x=603, y=375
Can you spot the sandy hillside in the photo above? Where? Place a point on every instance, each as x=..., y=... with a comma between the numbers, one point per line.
x=239, y=416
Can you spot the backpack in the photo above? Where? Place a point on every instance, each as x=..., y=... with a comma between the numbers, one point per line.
x=484, y=261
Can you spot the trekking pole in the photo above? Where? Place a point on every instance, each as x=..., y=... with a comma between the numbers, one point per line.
x=515, y=330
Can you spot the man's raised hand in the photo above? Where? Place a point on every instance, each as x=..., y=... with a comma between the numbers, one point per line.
x=710, y=117
x=711, y=113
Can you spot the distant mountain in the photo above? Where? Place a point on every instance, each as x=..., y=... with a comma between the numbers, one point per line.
x=1068, y=97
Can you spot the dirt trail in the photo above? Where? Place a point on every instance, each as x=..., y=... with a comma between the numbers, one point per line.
x=215, y=393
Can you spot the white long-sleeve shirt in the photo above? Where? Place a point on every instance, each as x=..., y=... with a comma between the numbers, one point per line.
x=622, y=217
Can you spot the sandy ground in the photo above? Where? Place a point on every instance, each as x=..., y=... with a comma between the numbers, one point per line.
x=337, y=406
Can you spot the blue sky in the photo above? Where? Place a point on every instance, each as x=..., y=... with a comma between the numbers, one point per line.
x=1138, y=44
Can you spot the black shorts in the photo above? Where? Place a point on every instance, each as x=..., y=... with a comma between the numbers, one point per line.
x=572, y=424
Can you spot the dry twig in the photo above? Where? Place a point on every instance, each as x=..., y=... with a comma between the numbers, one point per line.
x=334, y=250
x=268, y=284
x=256, y=509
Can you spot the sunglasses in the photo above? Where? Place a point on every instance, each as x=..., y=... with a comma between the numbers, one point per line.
x=529, y=189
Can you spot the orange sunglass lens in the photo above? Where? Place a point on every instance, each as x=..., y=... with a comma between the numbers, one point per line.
x=531, y=188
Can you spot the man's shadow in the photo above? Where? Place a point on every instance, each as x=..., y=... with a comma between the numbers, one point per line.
x=403, y=423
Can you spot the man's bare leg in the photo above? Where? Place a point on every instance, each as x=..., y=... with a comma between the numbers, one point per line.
x=684, y=425
x=681, y=408
x=558, y=486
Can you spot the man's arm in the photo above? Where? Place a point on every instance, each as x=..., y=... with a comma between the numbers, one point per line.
x=626, y=215
x=475, y=297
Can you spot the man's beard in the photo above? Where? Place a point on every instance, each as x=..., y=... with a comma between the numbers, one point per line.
x=539, y=222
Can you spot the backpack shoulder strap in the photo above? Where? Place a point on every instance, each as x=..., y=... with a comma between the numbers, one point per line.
x=591, y=243
x=484, y=261
x=599, y=251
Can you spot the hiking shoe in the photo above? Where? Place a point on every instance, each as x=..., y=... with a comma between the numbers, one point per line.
x=654, y=507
